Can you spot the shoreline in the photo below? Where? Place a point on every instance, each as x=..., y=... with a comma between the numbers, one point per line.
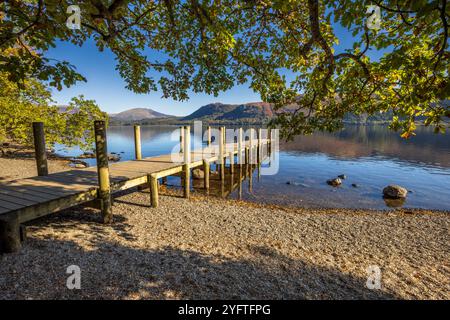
x=212, y=248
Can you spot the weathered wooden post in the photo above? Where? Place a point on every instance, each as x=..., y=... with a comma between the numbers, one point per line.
x=251, y=147
x=259, y=145
x=240, y=181
x=233, y=145
x=240, y=147
x=206, y=174
x=187, y=161
x=246, y=151
x=181, y=139
x=10, y=237
x=153, y=183
x=39, y=148
x=208, y=136
x=137, y=142
x=221, y=154
x=101, y=150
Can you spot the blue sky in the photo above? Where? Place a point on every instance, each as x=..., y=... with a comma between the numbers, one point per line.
x=105, y=85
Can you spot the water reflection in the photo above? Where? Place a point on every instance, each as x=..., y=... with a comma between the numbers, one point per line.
x=426, y=148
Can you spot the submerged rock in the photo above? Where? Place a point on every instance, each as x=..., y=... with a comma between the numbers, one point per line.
x=395, y=192
x=342, y=176
x=334, y=182
x=354, y=185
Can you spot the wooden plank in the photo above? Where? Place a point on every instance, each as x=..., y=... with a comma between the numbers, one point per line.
x=18, y=201
x=4, y=210
x=26, y=194
x=42, y=190
x=9, y=205
x=43, y=182
x=72, y=180
x=168, y=172
x=33, y=212
x=124, y=185
x=48, y=184
x=31, y=196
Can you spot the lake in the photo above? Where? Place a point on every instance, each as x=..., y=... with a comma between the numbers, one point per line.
x=370, y=156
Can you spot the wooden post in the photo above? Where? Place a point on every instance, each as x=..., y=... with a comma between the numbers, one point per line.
x=221, y=154
x=181, y=139
x=233, y=147
x=208, y=136
x=246, y=151
x=232, y=161
x=259, y=145
x=240, y=147
x=137, y=142
x=250, y=178
x=240, y=182
x=101, y=149
x=39, y=148
x=10, y=239
x=153, y=183
x=187, y=161
x=251, y=147
x=206, y=174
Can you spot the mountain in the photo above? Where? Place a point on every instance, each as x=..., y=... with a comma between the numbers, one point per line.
x=137, y=114
x=219, y=112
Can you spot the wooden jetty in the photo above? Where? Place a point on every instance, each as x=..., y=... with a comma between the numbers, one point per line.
x=23, y=200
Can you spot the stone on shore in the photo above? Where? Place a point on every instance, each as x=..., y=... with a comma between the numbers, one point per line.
x=198, y=174
x=87, y=155
x=79, y=164
x=395, y=192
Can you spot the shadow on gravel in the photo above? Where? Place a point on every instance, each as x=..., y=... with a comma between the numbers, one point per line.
x=110, y=270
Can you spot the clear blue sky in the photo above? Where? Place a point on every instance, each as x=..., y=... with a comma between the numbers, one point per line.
x=105, y=85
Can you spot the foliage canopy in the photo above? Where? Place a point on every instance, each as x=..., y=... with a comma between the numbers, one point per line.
x=19, y=108
x=210, y=45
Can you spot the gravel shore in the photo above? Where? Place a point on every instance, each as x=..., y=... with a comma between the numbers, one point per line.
x=208, y=248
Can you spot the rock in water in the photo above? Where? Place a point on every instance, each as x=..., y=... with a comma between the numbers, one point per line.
x=334, y=182
x=342, y=176
x=198, y=174
x=395, y=192
x=113, y=157
x=354, y=185
x=87, y=155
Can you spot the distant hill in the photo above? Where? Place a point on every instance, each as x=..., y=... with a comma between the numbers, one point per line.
x=231, y=114
x=219, y=112
x=137, y=114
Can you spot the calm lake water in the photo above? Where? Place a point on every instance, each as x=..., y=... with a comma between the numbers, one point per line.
x=370, y=156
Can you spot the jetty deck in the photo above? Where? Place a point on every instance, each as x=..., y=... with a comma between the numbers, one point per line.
x=23, y=200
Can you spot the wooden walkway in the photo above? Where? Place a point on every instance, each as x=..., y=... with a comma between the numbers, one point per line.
x=23, y=200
